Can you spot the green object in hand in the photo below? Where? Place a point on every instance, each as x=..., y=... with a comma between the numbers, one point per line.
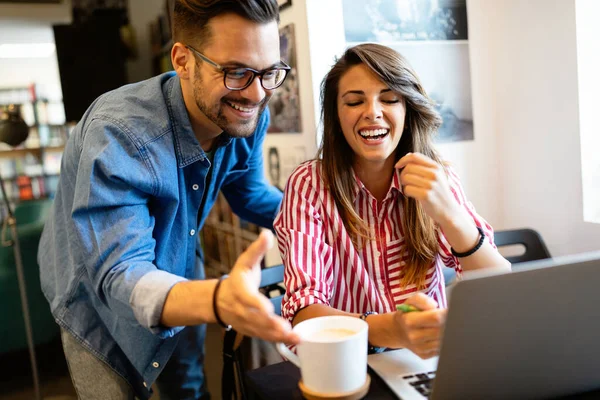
x=406, y=308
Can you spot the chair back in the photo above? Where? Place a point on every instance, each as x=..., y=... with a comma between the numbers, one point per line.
x=270, y=279
x=535, y=248
x=236, y=353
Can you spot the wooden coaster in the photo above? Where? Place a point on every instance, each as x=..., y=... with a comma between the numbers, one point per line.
x=355, y=395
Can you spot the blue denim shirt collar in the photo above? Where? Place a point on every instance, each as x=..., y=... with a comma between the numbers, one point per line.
x=187, y=148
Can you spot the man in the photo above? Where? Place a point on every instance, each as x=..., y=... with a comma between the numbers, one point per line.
x=119, y=255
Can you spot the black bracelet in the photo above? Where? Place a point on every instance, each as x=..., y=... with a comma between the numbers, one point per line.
x=474, y=249
x=219, y=320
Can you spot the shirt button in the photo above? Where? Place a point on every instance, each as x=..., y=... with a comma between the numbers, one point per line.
x=381, y=286
x=192, y=232
x=155, y=364
x=195, y=186
x=377, y=254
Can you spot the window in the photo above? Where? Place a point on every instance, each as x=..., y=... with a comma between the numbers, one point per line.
x=588, y=65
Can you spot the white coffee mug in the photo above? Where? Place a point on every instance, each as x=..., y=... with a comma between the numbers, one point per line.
x=332, y=355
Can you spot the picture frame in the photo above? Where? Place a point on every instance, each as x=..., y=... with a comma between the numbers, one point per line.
x=283, y=4
x=433, y=36
x=286, y=116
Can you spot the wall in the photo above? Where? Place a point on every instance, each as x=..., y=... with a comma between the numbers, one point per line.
x=324, y=40
x=49, y=13
x=524, y=167
x=296, y=14
x=21, y=72
x=141, y=13
x=588, y=57
x=475, y=161
x=33, y=24
x=24, y=71
x=304, y=142
x=537, y=121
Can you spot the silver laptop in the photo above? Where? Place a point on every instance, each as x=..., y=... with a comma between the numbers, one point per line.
x=529, y=334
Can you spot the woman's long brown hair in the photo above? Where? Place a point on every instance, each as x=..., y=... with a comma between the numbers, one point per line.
x=421, y=123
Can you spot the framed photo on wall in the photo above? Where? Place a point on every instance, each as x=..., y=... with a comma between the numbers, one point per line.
x=281, y=162
x=433, y=36
x=284, y=4
x=285, y=103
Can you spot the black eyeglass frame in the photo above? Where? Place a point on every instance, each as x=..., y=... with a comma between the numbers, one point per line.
x=286, y=68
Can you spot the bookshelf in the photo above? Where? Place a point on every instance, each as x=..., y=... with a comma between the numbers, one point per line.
x=30, y=171
x=224, y=237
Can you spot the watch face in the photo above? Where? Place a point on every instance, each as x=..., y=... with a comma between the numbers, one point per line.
x=366, y=314
x=376, y=350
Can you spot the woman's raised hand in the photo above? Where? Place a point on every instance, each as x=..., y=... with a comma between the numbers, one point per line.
x=425, y=180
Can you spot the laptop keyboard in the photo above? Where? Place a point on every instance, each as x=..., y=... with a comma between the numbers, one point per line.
x=423, y=383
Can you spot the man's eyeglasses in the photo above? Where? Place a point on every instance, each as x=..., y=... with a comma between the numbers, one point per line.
x=239, y=78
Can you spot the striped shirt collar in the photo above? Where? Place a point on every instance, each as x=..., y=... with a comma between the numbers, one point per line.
x=394, y=190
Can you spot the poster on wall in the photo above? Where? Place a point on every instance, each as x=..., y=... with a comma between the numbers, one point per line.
x=283, y=4
x=285, y=103
x=433, y=36
x=281, y=162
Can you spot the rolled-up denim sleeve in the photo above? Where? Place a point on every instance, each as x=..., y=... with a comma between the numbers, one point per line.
x=148, y=299
x=113, y=225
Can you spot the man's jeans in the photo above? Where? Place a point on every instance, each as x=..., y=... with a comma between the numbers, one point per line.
x=182, y=378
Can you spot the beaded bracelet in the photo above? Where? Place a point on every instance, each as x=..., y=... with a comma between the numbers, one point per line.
x=474, y=249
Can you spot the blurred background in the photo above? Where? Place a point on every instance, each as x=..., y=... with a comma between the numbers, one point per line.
x=515, y=81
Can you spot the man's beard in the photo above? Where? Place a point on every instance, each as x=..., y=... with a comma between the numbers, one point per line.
x=215, y=113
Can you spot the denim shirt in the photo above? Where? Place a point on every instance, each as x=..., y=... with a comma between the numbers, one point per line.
x=123, y=227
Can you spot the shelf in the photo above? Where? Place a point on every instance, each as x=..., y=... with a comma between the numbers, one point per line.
x=12, y=178
x=14, y=88
x=17, y=200
x=14, y=153
x=53, y=148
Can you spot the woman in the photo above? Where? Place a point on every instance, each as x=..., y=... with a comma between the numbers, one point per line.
x=370, y=224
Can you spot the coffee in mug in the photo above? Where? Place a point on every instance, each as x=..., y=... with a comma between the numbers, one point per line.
x=332, y=354
x=330, y=334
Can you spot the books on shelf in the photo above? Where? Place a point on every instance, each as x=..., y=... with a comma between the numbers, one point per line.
x=224, y=237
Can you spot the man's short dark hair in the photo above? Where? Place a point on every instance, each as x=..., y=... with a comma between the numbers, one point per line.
x=191, y=17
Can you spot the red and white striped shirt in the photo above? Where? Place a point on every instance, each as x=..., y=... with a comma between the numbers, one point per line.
x=322, y=266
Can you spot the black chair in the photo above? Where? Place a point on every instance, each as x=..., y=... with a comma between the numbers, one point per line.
x=232, y=379
x=270, y=280
x=535, y=248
